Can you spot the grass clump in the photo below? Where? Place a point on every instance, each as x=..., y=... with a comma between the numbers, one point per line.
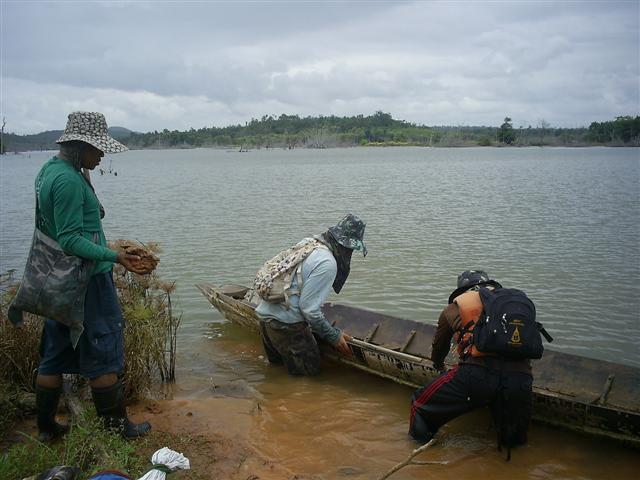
x=150, y=327
x=18, y=346
x=87, y=446
x=18, y=356
x=150, y=341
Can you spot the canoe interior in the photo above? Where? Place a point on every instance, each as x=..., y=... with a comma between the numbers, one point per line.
x=578, y=393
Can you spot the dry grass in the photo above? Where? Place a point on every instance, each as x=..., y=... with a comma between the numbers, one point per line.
x=19, y=355
x=150, y=339
x=18, y=346
x=150, y=328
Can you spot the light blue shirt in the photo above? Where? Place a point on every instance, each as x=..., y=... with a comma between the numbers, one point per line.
x=318, y=272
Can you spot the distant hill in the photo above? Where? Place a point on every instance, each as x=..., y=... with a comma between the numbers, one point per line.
x=47, y=140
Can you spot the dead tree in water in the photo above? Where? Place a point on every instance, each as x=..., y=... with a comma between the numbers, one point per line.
x=2, y=148
x=317, y=137
x=291, y=141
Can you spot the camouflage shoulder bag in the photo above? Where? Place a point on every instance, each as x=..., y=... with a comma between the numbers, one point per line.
x=53, y=285
x=273, y=281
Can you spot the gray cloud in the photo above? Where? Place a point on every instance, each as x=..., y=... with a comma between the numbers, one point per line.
x=155, y=65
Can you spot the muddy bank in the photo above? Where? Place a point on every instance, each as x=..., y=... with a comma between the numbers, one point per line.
x=318, y=429
x=214, y=434
x=310, y=429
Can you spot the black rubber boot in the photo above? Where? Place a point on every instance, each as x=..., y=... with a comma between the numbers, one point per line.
x=47, y=400
x=109, y=402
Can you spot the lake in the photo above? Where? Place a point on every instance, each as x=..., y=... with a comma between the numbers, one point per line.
x=560, y=223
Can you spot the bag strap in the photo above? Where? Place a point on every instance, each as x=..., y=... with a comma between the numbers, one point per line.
x=505, y=411
x=37, y=192
x=468, y=343
x=297, y=274
x=544, y=333
x=84, y=176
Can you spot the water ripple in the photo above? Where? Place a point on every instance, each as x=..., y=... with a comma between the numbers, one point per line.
x=562, y=224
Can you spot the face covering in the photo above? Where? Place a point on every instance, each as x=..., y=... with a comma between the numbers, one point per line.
x=343, y=259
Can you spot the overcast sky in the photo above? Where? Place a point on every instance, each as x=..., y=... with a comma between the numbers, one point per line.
x=177, y=65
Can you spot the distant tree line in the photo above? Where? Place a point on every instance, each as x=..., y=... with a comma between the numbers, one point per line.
x=292, y=131
x=623, y=130
x=379, y=129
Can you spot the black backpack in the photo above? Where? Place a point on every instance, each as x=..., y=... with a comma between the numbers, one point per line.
x=507, y=326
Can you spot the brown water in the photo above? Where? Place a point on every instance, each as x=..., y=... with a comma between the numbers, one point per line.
x=346, y=424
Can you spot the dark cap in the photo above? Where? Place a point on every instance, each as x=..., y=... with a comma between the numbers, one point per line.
x=471, y=278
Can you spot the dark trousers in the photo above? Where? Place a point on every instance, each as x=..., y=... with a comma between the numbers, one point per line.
x=292, y=344
x=467, y=387
x=100, y=349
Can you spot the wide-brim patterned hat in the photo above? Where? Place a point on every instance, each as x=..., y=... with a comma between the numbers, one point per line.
x=91, y=127
x=472, y=278
x=349, y=233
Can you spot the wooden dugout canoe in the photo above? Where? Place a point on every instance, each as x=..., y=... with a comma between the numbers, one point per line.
x=577, y=393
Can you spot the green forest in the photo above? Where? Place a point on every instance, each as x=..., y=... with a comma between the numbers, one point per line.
x=379, y=129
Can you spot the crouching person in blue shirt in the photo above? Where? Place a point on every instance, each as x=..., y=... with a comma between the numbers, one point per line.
x=288, y=322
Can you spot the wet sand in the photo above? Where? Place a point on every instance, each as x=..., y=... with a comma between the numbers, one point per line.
x=214, y=434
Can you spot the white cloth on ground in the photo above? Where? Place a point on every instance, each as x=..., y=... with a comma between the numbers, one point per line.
x=170, y=459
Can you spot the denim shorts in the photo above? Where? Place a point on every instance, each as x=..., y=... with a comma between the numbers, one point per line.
x=100, y=349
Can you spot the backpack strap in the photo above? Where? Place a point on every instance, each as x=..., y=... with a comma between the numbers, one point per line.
x=297, y=274
x=504, y=411
x=293, y=291
x=544, y=333
x=466, y=344
x=470, y=308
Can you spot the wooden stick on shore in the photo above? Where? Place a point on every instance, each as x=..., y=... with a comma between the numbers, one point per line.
x=71, y=398
x=410, y=461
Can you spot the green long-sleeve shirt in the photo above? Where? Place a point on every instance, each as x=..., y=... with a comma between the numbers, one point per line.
x=70, y=213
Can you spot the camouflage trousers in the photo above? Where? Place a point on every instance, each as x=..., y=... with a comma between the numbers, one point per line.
x=292, y=344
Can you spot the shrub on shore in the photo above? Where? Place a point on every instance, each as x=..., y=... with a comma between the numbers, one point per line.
x=18, y=354
x=150, y=328
x=150, y=341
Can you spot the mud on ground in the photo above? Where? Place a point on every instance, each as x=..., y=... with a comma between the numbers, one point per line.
x=213, y=434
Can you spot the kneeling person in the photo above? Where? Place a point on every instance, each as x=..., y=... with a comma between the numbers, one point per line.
x=288, y=322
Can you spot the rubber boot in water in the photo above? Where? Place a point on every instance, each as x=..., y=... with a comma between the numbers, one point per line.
x=109, y=402
x=47, y=400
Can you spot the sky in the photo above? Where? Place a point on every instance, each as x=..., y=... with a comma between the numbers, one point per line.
x=180, y=65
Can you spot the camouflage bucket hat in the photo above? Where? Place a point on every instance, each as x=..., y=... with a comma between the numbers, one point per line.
x=471, y=278
x=91, y=128
x=349, y=233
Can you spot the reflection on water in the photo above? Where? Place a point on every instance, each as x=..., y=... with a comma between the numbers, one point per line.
x=562, y=224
